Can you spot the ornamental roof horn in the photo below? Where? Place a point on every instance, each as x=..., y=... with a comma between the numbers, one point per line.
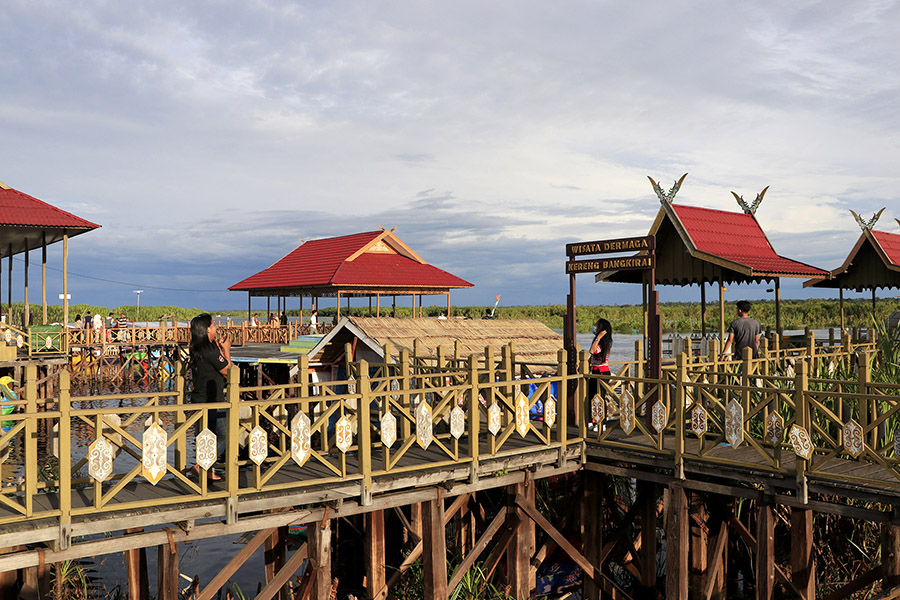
x=750, y=209
x=867, y=225
x=665, y=198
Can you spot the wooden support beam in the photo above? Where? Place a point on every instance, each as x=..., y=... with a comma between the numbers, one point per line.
x=434, y=545
x=714, y=589
x=765, y=551
x=319, y=541
x=677, y=542
x=518, y=556
x=699, y=525
x=592, y=523
x=860, y=583
x=279, y=581
x=275, y=555
x=35, y=582
x=167, y=571
x=136, y=571
x=234, y=564
x=803, y=558
x=376, y=585
x=647, y=557
x=8, y=579
x=751, y=542
x=479, y=547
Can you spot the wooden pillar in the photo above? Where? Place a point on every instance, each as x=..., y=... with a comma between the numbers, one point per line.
x=699, y=526
x=647, y=558
x=319, y=541
x=722, y=312
x=378, y=304
x=36, y=583
x=167, y=572
x=394, y=306
x=592, y=524
x=376, y=586
x=27, y=314
x=677, y=540
x=136, y=571
x=803, y=557
x=415, y=519
x=338, y=307
x=717, y=565
x=765, y=550
x=778, y=327
x=873, y=296
x=249, y=310
x=448, y=305
x=65, y=279
x=44, y=277
x=274, y=553
x=434, y=549
x=890, y=553
x=841, y=296
x=9, y=286
x=702, y=309
x=521, y=547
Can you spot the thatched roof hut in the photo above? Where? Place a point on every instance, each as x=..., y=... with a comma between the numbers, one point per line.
x=533, y=341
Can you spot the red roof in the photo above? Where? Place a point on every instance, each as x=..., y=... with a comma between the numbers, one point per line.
x=890, y=243
x=22, y=210
x=737, y=237
x=375, y=259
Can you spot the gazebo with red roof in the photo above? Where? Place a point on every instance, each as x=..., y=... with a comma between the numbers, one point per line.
x=370, y=264
x=697, y=245
x=873, y=262
x=27, y=223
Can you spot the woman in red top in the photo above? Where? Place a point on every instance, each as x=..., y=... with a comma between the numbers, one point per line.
x=599, y=359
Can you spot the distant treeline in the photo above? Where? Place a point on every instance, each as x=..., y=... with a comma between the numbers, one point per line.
x=676, y=316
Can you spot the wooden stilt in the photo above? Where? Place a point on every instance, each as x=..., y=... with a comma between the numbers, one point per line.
x=677, y=542
x=592, y=522
x=699, y=525
x=518, y=556
x=376, y=586
x=136, y=571
x=803, y=559
x=890, y=553
x=8, y=579
x=275, y=556
x=434, y=549
x=647, y=558
x=415, y=520
x=765, y=551
x=320, y=558
x=167, y=571
x=35, y=583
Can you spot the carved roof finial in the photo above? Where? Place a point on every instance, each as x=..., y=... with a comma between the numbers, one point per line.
x=750, y=209
x=665, y=198
x=867, y=225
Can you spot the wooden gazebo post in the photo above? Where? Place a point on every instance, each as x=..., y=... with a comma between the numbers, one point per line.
x=9, y=284
x=338, y=306
x=841, y=296
x=778, y=327
x=27, y=314
x=66, y=279
x=44, y=277
x=721, y=314
x=702, y=309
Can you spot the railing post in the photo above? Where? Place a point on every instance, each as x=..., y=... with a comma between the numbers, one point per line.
x=405, y=397
x=65, y=461
x=562, y=415
x=364, y=430
x=811, y=349
x=508, y=377
x=638, y=368
x=865, y=376
x=180, y=443
x=233, y=396
x=31, y=458
x=491, y=370
x=474, y=418
x=747, y=361
x=582, y=402
x=680, y=380
x=801, y=384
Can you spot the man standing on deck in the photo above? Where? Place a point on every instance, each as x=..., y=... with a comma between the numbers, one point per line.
x=743, y=332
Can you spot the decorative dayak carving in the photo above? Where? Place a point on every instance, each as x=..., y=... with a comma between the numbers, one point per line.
x=867, y=225
x=665, y=198
x=750, y=209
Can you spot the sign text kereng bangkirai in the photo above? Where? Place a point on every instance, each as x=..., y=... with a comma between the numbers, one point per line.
x=610, y=264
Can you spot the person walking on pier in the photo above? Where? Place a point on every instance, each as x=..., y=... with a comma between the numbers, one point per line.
x=599, y=357
x=210, y=358
x=743, y=332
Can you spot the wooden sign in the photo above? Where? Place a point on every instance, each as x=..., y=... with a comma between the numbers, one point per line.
x=629, y=263
x=633, y=244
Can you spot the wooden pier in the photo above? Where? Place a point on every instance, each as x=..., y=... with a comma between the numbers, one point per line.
x=714, y=452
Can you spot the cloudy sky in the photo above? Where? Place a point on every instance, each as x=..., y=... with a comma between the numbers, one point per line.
x=208, y=137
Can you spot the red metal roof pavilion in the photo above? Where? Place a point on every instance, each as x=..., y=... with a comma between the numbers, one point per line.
x=27, y=223
x=697, y=245
x=370, y=264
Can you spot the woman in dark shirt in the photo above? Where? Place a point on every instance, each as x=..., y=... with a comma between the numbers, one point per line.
x=209, y=361
x=599, y=357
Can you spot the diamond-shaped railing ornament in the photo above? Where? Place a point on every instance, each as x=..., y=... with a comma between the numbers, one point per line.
x=658, y=416
x=626, y=413
x=351, y=384
x=522, y=417
x=153, y=455
x=205, y=448
x=20, y=341
x=775, y=429
x=301, y=436
x=800, y=441
x=343, y=434
x=734, y=423
x=395, y=387
x=100, y=459
x=457, y=422
x=698, y=421
x=388, y=429
x=853, y=438
x=598, y=409
x=259, y=445
x=494, y=418
x=550, y=411
x=424, y=425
